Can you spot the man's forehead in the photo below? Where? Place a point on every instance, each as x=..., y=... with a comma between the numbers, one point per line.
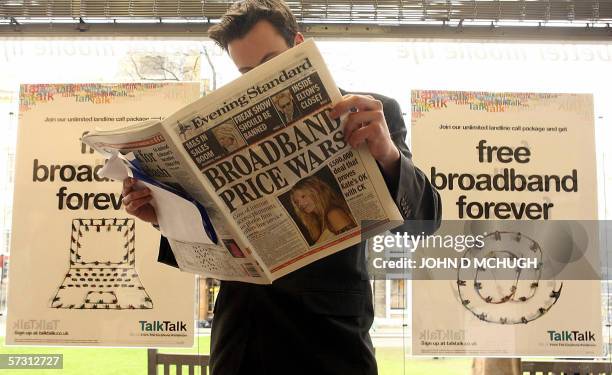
x=257, y=46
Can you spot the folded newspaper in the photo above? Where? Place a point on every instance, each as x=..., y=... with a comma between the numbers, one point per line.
x=275, y=184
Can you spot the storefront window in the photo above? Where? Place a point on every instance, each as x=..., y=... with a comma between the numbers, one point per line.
x=392, y=68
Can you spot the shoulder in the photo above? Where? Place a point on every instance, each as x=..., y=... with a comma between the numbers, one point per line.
x=336, y=212
x=385, y=100
x=337, y=218
x=391, y=107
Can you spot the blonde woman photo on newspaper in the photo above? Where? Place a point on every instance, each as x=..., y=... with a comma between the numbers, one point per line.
x=322, y=210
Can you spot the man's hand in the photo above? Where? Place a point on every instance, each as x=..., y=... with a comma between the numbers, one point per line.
x=138, y=202
x=366, y=123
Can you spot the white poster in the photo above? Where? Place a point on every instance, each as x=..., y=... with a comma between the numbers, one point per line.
x=520, y=165
x=83, y=271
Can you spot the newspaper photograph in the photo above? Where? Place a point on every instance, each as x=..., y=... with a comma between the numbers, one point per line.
x=269, y=167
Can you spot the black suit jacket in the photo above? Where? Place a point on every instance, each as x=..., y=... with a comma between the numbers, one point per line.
x=315, y=320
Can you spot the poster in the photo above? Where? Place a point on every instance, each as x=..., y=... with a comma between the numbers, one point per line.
x=83, y=272
x=522, y=165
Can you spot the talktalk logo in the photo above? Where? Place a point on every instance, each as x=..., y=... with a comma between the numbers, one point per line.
x=579, y=336
x=162, y=326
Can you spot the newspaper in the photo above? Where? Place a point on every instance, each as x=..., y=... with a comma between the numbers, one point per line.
x=270, y=167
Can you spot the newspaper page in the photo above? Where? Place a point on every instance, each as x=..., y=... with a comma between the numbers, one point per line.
x=149, y=149
x=277, y=166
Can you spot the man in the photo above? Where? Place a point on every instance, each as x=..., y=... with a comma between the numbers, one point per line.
x=284, y=104
x=227, y=137
x=314, y=320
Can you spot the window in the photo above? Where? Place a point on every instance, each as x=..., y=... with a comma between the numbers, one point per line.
x=398, y=294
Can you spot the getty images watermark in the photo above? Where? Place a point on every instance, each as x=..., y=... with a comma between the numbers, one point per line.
x=490, y=250
x=459, y=243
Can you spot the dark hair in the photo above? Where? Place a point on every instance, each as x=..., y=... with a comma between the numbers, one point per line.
x=243, y=15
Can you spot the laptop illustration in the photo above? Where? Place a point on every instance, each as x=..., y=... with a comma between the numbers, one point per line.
x=102, y=272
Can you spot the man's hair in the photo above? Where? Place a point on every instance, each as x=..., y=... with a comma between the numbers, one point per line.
x=243, y=15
